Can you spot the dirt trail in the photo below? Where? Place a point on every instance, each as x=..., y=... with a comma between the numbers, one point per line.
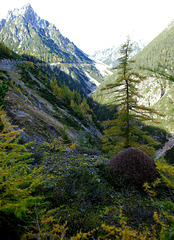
x=168, y=145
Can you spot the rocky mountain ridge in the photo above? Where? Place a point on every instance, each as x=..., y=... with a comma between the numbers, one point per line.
x=26, y=33
x=24, y=24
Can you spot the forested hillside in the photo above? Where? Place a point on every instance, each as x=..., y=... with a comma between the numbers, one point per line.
x=159, y=50
x=60, y=186
x=6, y=52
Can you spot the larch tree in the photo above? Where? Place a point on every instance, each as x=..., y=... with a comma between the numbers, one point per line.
x=18, y=180
x=124, y=130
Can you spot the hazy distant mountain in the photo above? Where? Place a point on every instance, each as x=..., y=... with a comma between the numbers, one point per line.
x=26, y=33
x=110, y=56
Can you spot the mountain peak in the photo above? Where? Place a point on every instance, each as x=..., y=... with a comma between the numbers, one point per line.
x=25, y=14
x=22, y=10
x=27, y=33
x=26, y=11
x=26, y=8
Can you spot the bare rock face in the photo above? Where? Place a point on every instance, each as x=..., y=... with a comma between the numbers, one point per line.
x=133, y=162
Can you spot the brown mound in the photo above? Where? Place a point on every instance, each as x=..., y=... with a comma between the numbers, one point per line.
x=134, y=162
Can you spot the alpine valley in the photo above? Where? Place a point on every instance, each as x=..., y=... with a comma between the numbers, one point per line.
x=57, y=136
x=52, y=79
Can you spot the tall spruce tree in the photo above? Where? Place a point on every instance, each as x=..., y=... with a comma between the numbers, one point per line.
x=125, y=129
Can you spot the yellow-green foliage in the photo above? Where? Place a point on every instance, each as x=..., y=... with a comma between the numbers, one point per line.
x=123, y=232
x=19, y=182
x=160, y=229
x=149, y=189
x=57, y=145
x=17, y=179
x=73, y=177
x=73, y=99
x=167, y=173
x=45, y=226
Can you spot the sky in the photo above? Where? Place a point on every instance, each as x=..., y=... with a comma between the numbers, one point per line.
x=97, y=24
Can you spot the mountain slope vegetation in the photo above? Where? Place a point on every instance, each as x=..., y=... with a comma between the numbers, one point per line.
x=75, y=196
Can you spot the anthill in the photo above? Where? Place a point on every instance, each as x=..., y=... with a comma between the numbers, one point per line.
x=133, y=162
